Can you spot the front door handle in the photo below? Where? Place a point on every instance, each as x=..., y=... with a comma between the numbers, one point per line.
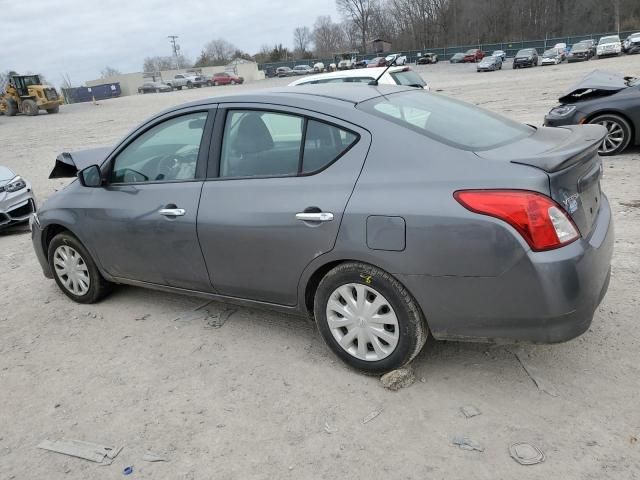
x=315, y=216
x=172, y=212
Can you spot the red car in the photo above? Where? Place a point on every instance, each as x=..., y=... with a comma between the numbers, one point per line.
x=377, y=62
x=473, y=55
x=224, y=78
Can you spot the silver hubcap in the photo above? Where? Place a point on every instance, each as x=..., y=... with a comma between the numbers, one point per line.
x=363, y=322
x=71, y=270
x=614, y=138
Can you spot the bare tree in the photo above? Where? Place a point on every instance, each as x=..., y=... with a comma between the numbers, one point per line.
x=219, y=51
x=328, y=36
x=359, y=12
x=301, y=40
x=109, y=72
x=66, y=81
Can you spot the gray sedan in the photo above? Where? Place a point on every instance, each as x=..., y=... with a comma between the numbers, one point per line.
x=477, y=228
x=17, y=202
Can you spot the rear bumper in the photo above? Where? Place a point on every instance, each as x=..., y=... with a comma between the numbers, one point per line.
x=547, y=297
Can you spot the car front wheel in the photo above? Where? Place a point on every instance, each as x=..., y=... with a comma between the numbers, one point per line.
x=74, y=270
x=618, y=133
x=368, y=318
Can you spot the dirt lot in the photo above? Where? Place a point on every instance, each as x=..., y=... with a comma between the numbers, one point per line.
x=262, y=397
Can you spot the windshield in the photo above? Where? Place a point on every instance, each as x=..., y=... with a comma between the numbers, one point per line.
x=550, y=54
x=470, y=52
x=458, y=55
x=524, y=53
x=408, y=78
x=612, y=39
x=580, y=46
x=446, y=120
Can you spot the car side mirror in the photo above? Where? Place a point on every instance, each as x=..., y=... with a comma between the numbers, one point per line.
x=90, y=177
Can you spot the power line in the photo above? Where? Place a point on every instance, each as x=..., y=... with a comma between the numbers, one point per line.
x=172, y=40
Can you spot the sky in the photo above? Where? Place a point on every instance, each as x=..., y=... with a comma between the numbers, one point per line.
x=81, y=37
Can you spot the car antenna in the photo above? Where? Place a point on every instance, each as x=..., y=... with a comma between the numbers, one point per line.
x=375, y=82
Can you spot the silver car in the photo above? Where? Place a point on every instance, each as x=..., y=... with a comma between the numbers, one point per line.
x=478, y=228
x=17, y=202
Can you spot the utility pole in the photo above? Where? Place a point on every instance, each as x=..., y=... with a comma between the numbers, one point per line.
x=616, y=14
x=175, y=47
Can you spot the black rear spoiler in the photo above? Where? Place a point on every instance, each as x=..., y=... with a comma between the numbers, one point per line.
x=69, y=164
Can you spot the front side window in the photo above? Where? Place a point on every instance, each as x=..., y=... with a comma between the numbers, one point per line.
x=168, y=152
x=447, y=120
x=270, y=144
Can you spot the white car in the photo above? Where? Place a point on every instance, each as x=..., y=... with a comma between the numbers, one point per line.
x=400, y=59
x=553, y=56
x=318, y=67
x=393, y=76
x=17, y=202
x=610, y=45
x=500, y=53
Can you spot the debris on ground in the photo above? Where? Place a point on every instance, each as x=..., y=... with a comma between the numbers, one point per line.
x=397, y=379
x=218, y=319
x=143, y=317
x=127, y=471
x=330, y=429
x=80, y=449
x=542, y=384
x=465, y=443
x=371, y=416
x=470, y=411
x=153, y=457
x=526, y=454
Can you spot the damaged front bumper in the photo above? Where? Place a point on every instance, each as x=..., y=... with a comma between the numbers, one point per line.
x=16, y=207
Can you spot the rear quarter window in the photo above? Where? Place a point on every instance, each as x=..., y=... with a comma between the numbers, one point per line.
x=408, y=78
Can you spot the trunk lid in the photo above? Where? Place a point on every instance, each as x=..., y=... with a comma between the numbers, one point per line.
x=569, y=157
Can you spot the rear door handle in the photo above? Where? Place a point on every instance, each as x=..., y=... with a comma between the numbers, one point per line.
x=172, y=212
x=315, y=217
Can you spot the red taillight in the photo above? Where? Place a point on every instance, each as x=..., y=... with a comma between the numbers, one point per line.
x=540, y=220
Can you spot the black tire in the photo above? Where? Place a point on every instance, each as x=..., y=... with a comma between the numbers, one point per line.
x=624, y=126
x=98, y=286
x=179, y=88
x=29, y=107
x=189, y=85
x=411, y=323
x=55, y=109
x=11, y=107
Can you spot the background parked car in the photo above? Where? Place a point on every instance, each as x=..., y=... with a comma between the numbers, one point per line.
x=489, y=64
x=562, y=50
x=631, y=45
x=500, y=53
x=392, y=76
x=302, y=70
x=607, y=99
x=225, y=78
x=154, y=87
x=427, y=59
x=377, y=62
x=399, y=59
x=553, y=56
x=457, y=58
x=182, y=80
x=473, y=55
x=527, y=57
x=580, y=52
x=318, y=67
x=610, y=45
x=17, y=202
x=285, y=72
x=270, y=72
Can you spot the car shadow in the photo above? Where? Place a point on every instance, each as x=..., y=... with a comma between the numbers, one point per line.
x=18, y=229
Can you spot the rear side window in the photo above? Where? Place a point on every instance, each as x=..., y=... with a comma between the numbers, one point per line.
x=447, y=120
x=270, y=144
x=408, y=78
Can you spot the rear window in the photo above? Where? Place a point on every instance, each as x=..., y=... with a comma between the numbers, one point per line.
x=604, y=40
x=408, y=78
x=446, y=120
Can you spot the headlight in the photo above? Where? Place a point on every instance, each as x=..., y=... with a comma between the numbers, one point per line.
x=15, y=185
x=563, y=110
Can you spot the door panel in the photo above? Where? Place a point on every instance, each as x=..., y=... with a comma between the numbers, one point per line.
x=253, y=244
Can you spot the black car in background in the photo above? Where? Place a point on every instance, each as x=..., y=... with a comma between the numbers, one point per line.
x=527, y=57
x=582, y=51
x=607, y=99
x=154, y=87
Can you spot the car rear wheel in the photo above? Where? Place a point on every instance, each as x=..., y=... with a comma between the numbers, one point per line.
x=618, y=133
x=368, y=318
x=74, y=270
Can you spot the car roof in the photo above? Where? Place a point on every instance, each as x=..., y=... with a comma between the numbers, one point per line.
x=358, y=72
x=344, y=93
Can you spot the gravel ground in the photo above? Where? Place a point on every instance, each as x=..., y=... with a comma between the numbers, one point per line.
x=261, y=396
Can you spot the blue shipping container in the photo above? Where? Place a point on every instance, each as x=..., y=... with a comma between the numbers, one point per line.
x=87, y=94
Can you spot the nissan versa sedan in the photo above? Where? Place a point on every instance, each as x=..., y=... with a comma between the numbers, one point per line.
x=480, y=228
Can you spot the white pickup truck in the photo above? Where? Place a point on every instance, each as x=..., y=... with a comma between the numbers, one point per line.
x=185, y=80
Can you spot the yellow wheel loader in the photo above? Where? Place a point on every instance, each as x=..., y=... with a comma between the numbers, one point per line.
x=27, y=95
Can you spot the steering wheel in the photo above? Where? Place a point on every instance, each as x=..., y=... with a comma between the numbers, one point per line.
x=130, y=175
